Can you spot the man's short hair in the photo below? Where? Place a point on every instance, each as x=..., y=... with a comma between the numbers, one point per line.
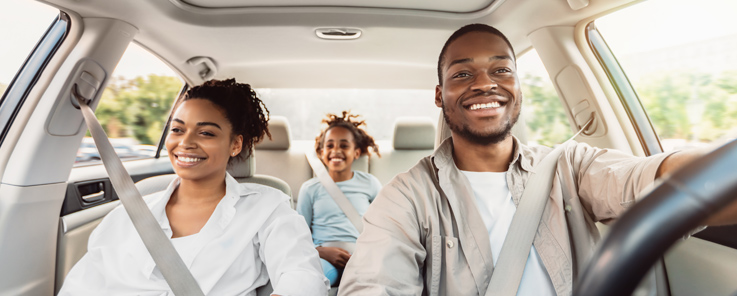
x=463, y=31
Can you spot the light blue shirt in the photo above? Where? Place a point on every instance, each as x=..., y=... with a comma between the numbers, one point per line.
x=326, y=220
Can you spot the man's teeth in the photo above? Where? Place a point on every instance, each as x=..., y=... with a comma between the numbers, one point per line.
x=190, y=159
x=485, y=106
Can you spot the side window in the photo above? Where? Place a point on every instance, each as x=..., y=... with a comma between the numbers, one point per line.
x=546, y=120
x=25, y=52
x=36, y=18
x=134, y=107
x=683, y=72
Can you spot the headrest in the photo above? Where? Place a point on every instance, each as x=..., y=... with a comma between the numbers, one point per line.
x=414, y=133
x=243, y=168
x=280, y=135
x=443, y=131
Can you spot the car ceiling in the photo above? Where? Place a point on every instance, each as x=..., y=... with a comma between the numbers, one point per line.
x=272, y=44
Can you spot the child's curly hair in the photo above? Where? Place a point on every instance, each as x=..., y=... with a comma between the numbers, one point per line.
x=242, y=108
x=348, y=121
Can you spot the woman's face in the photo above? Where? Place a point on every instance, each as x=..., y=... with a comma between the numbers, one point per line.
x=200, y=141
x=339, y=150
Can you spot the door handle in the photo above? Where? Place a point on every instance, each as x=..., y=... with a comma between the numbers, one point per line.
x=94, y=196
x=92, y=192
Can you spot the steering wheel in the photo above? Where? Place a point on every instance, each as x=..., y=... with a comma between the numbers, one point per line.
x=646, y=231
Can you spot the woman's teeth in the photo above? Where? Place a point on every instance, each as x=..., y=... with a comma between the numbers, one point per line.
x=190, y=159
x=485, y=106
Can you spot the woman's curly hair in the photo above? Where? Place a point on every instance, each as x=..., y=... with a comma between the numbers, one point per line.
x=350, y=122
x=242, y=108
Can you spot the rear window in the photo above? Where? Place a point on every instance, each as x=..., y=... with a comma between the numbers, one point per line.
x=305, y=108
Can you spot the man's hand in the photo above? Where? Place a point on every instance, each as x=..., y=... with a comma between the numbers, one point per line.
x=336, y=256
x=728, y=214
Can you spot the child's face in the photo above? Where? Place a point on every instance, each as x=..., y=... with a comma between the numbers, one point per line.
x=339, y=150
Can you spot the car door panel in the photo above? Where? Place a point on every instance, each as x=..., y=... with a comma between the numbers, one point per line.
x=28, y=224
x=89, y=186
x=700, y=267
x=74, y=233
x=79, y=217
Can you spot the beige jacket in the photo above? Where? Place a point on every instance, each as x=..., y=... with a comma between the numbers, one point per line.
x=424, y=236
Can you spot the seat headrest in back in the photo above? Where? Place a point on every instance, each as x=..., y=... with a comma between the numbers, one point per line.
x=414, y=133
x=280, y=135
x=243, y=168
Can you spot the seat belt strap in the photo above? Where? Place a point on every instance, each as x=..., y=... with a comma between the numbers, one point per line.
x=176, y=273
x=338, y=196
x=508, y=271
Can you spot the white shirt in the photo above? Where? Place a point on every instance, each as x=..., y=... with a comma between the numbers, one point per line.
x=494, y=202
x=253, y=236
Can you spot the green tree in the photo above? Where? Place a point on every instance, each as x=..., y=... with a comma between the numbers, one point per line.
x=691, y=106
x=138, y=107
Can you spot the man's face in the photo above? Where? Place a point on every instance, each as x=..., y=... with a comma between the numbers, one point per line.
x=480, y=95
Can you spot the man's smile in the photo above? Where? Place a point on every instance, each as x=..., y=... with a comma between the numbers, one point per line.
x=484, y=105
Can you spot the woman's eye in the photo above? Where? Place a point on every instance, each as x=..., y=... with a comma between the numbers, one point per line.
x=329, y=146
x=343, y=146
x=176, y=130
x=207, y=134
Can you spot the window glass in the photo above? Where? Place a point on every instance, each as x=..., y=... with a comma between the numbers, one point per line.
x=305, y=108
x=134, y=106
x=681, y=58
x=546, y=120
x=35, y=19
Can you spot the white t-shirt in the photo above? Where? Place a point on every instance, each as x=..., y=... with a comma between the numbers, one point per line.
x=253, y=236
x=494, y=202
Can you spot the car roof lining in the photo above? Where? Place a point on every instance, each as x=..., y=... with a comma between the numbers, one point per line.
x=277, y=47
x=428, y=5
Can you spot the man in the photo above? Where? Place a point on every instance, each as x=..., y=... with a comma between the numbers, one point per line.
x=438, y=229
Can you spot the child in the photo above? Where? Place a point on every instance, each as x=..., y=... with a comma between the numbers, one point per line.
x=338, y=145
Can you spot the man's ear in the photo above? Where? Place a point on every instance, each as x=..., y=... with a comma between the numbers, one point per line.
x=439, y=96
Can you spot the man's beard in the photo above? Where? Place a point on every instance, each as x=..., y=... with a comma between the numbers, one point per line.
x=465, y=131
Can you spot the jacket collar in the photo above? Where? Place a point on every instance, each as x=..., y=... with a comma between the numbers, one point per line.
x=522, y=155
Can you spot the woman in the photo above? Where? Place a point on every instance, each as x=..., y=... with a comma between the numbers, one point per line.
x=233, y=237
x=338, y=145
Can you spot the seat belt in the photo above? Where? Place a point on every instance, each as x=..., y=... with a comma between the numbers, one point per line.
x=176, y=273
x=338, y=196
x=508, y=271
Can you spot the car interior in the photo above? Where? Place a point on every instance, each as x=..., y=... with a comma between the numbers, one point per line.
x=302, y=56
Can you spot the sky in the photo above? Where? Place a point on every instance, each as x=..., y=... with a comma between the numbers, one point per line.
x=703, y=20
x=36, y=18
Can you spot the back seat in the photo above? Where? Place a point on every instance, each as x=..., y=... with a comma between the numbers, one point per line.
x=284, y=158
x=278, y=157
x=414, y=138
